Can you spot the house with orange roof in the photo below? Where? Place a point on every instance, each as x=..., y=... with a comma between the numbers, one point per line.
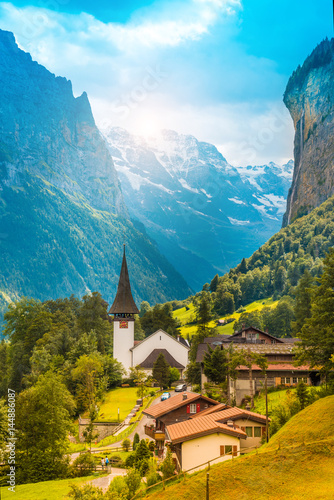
x=176, y=409
x=214, y=436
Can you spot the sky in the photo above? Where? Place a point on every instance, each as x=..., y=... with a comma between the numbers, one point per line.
x=215, y=69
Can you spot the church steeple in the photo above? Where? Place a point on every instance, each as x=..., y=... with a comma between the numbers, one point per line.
x=124, y=306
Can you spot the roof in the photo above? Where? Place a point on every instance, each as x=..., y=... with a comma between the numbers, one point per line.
x=211, y=409
x=175, y=402
x=151, y=359
x=279, y=367
x=161, y=331
x=235, y=413
x=124, y=303
x=266, y=349
x=237, y=334
x=201, y=426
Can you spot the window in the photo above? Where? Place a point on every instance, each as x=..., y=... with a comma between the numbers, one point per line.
x=228, y=449
x=287, y=380
x=305, y=380
x=294, y=380
x=193, y=408
x=249, y=431
x=282, y=380
x=257, y=432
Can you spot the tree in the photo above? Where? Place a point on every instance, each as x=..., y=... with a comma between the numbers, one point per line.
x=43, y=419
x=193, y=373
x=93, y=315
x=168, y=466
x=132, y=480
x=139, y=376
x=203, y=308
x=302, y=394
x=214, y=283
x=161, y=371
x=89, y=433
x=215, y=365
x=160, y=317
x=144, y=308
x=302, y=307
x=86, y=373
x=317, y=334
x=135, y=441
x=174, y=375
x=126, y=444
x=249, y=358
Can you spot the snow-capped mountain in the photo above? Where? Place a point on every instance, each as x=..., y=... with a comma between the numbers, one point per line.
x=203, y=213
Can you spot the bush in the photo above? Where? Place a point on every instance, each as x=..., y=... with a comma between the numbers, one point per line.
x=86, y=492
x=132, y=480
x=126, y=445
x=83, y=465
x=135, y=441
x=168, y=466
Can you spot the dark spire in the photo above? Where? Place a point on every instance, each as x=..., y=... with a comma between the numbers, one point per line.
x=124, y=303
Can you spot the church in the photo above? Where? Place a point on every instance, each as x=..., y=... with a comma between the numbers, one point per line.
x=144, y=353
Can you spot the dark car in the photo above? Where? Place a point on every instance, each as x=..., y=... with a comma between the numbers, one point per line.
x=181, y=387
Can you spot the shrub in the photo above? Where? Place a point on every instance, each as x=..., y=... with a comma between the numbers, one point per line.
x=132, y=480
x=83, y=465
x=126, y=445
x=135, y=441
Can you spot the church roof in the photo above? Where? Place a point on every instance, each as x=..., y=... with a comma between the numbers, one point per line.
x=151, y=359
x=124, y=302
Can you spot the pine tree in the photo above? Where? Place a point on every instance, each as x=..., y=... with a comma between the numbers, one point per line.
x=215, y=365
x=303, y=302
x=161, y=371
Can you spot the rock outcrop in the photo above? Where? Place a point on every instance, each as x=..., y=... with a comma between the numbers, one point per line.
x=309, y=96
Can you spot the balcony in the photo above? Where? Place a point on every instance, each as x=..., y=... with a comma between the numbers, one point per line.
x=153, y=433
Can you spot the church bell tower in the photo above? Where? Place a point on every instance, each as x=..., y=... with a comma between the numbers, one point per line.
x=124, y=309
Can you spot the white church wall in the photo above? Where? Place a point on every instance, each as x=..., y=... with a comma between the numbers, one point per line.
x=123, y=341
x=160, y=340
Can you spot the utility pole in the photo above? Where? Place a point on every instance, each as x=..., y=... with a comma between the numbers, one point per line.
x=266, y=389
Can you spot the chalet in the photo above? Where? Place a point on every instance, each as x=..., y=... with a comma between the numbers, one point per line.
x=204, y=439
x=176, y=409
x=280, y=357
x=214, y=436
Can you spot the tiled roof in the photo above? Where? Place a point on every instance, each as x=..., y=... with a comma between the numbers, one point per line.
x=211, y=409
x=201, y=426
x=279, y=367
x=284, y=348
x=152, y=357
x=235, y=412
x=173, y=403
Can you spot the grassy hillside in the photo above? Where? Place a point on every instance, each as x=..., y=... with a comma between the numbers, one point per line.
x=297, y=463
x=187, y=318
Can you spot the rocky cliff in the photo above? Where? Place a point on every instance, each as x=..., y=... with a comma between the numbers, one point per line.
x=63, y=219
x=309, y=97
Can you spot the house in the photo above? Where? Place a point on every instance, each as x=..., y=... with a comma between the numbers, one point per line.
x=178, y=408
x=195, y=442
x=280, y=357
x=144, y=353
x=215, y=434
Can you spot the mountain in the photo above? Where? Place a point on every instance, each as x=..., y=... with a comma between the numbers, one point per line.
x=309, y=97
x=204, y=214
x=63, y=219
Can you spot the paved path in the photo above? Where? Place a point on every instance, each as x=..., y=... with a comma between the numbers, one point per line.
x=104, y=481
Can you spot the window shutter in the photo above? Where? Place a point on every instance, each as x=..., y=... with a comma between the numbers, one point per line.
x=263, y=431
x=188, y=408
x=235, y=451
x=243, y=429
x=222, y=450
x=198, y=408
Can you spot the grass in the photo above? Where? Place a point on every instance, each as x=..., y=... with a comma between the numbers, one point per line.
x=123, y=398
x=275, y=399
x=47, y=490
x=187, y=317
x=296, y=463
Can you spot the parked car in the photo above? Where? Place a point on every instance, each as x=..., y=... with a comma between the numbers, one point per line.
x=165, y=395
x=181, y=388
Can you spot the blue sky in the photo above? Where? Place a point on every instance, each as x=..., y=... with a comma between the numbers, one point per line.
x=216, y=69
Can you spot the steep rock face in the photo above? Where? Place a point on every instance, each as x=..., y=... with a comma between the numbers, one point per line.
x=48, y=133
x=309, y=97
x=204, y=214
x=63, y=220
